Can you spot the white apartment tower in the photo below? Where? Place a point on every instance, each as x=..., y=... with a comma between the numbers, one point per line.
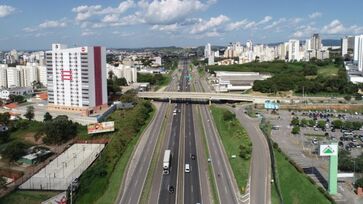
x=356, y=49
x=207, y=50
x=13, y=77
x=3, y=76
x=294, y=50
x=76, y=79
x=360, y=52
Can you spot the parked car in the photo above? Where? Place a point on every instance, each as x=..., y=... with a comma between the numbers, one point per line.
x=314, y=141
x=341, y=144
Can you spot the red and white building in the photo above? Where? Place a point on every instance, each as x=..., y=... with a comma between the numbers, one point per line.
x=77, y=79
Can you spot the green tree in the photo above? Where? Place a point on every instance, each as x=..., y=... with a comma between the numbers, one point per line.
x=14, y=150
x=295, y=121
x=321, y=124
x=129, y=96
x=295, y=130
x=337, y=124
x=358, y=97
x=311, y=123
x=228, y=115
x=347, y=97
x=345, y=161
x=356, y=125
x=4, y=137
x=2, y=182
x=47, y=117
x=4, y=118
x=359, y=183
x=304, y=122
x=29, y=112
x=59, y=130
x=245, y=150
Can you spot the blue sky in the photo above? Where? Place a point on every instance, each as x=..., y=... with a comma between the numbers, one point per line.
x=139, y=23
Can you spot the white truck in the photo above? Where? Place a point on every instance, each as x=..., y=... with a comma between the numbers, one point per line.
x=166, y=161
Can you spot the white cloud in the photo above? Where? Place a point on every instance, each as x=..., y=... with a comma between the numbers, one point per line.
x=171, y=11
x=266, y=19
x=237, y=25
x=86, y=12
x=6, y=10
x=336, y=27
x=53, y=24
x=166, y=28
x=315, y=15
x=276, y=23
x=305, y=31
x=212, y=23
x=48, y=24
x=88, y=33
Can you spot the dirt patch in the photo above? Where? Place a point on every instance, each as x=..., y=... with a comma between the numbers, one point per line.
x=31, y=137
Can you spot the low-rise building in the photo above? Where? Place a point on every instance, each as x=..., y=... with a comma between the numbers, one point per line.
x=5, y=93
x=236, y=81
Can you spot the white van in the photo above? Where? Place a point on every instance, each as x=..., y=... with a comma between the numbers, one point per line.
x=187, y=168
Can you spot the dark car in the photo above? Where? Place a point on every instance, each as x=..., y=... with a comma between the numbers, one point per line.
x=193, y=156
x=341, y=144
x=171, y=189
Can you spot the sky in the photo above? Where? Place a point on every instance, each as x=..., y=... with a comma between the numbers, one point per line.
x=36, y=24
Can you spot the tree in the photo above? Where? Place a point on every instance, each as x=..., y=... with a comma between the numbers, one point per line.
x=245, y=150
x=4, y=118
x=2, y=182
x=311, y=123
x=347, y=97
x=4, y=137
x=29, y=112
x=228, y=116
x=47, y=117
x=14, y=150
x=321, y=124
x=295, y=121
x=358, y=97
x=304, y=122
x=359, y=183
x=129, y=96
x=295, y=130
x=337, y=124
x=59, y=130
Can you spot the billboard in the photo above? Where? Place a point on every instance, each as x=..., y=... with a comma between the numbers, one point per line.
x=329, y=150
x=101, y=127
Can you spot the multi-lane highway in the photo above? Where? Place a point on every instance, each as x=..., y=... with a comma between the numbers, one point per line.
x=134, y=178
x=226, y=185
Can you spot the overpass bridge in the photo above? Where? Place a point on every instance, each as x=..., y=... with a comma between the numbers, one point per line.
x=204, y=96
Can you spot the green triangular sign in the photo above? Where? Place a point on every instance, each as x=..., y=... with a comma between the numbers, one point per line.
x=328, y=150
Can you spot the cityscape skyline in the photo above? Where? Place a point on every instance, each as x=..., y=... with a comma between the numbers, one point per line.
x=132, y=23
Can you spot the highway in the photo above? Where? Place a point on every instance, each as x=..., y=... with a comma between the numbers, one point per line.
x=191, y=180
x=136, y=173
x=226, y=184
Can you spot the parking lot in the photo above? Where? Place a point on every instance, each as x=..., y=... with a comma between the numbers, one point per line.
x=302, y=148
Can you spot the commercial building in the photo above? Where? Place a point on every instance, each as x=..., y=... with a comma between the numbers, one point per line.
x=236, y=81
x=124, y=71
x=77, y=79
x=5, y=93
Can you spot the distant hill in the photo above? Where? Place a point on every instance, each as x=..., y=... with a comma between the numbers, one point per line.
x=331, y=42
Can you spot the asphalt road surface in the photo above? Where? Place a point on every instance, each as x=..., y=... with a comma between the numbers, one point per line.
x=132, y=186
x=260, y=186
x=191, y=180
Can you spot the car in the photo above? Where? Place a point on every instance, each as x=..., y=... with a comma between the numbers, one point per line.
x=351, y=145
x=187, y=168
x=348, y=148
x=171, y=189
x=358, y=146
x=314, y=141
x=341, y=144
x=333, y=130
x=192, y=156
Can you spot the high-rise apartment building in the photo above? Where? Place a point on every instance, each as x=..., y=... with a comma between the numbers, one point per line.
x=207, y=50
x=316, y=42
x=76, y=79
x=13, y=77
x=359, y=42
x=294, y=50
x=3, y=76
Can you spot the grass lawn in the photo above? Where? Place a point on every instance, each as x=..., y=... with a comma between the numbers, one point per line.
x=295, y=187
x=327, y=71
x=233, y=135
x=28, y=197
x=274, y=196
